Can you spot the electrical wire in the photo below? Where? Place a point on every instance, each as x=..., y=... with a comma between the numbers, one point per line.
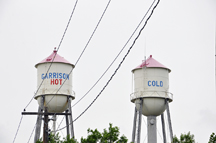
x=49, y=66
x=84, y=47
x=18, y=128
x=117, y=67
x=60, y=123
x=55, y=53
x=61, y=130
x=68, y=24
x=158, y=130
x=113, y=60
x=93, y=32
x=80, y=54
x=32, y=133
x=116, y=56
x=146, y=126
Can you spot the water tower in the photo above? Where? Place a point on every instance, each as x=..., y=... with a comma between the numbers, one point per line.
x=151, y=97
x=55, y=91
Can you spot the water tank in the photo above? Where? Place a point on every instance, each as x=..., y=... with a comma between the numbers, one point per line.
x=55, y=92
x=151, y=83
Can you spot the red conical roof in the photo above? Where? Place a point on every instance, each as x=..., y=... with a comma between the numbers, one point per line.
x=57, y=59
x=150, y=62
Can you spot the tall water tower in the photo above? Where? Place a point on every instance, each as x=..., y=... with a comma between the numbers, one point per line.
x=55, y=91
x=151, y=97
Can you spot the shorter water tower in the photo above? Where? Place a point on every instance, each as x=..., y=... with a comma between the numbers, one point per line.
x=151, y=97
x=54, y=84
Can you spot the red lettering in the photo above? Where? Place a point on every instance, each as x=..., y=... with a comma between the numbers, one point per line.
x=56, y=81
x=60, y=81
x=52, y=81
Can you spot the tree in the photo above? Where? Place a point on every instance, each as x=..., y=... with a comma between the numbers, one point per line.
x=212, y=138
x=94, y=136
x=56, y=139
x=110, y=136
x=184, y=138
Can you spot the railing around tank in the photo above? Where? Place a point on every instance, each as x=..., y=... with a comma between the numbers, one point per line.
x=73, y=94
x=54, y=93
x=160, y=94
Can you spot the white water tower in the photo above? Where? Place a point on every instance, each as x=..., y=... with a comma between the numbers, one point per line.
x=52, y=88
x=54, y=84
x=151, y=97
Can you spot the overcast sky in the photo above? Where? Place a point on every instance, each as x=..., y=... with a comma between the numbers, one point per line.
x=180, y=35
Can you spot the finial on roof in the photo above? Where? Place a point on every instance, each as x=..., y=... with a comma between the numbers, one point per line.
x=150, y=56
x=54, y=50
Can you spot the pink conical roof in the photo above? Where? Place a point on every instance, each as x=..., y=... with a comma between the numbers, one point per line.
x=150, y=62
x=57, y=59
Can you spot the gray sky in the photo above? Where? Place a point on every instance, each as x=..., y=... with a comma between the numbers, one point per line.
x=180, y=35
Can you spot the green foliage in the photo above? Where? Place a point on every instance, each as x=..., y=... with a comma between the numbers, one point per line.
x=56, y=139
x=94, y=136
x=184, y=138
x=175, y=140
x=212, y=138
x=108, y=136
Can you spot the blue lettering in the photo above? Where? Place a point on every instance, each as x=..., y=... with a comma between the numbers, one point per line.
x=161, y=83
x=54, y=75
x=68, y=76
x=64, y=76
x=157, y=84
x=46, y=76
x=149, y=83
x=42, y=76
x=50, y=75
x=153, y=83
x=60, y=75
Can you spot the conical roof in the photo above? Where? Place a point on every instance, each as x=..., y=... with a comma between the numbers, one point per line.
x=151, y=62
x=57, y=59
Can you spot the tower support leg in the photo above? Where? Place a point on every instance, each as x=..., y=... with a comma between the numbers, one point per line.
x=45, y=130
x=54, y=124
x=67, y=123
x=152, y=129
x=139, y=120
x=39, y=120
x=70, y=118
x=169, y=120
x=134, y=125
x=163, y=128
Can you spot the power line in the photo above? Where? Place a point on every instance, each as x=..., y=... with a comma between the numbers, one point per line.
x=32, y=133
x=41, y=82
x=60, y=45
x=84, y=47
x=67, y=24
x=60, y=123
x=18, y=128
x=93, y=32
x=116, y=56
x=55, y=53
x=146, y=126
x=158, y=130
x=49, y=66
x=117, y=67
x=113, y=60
